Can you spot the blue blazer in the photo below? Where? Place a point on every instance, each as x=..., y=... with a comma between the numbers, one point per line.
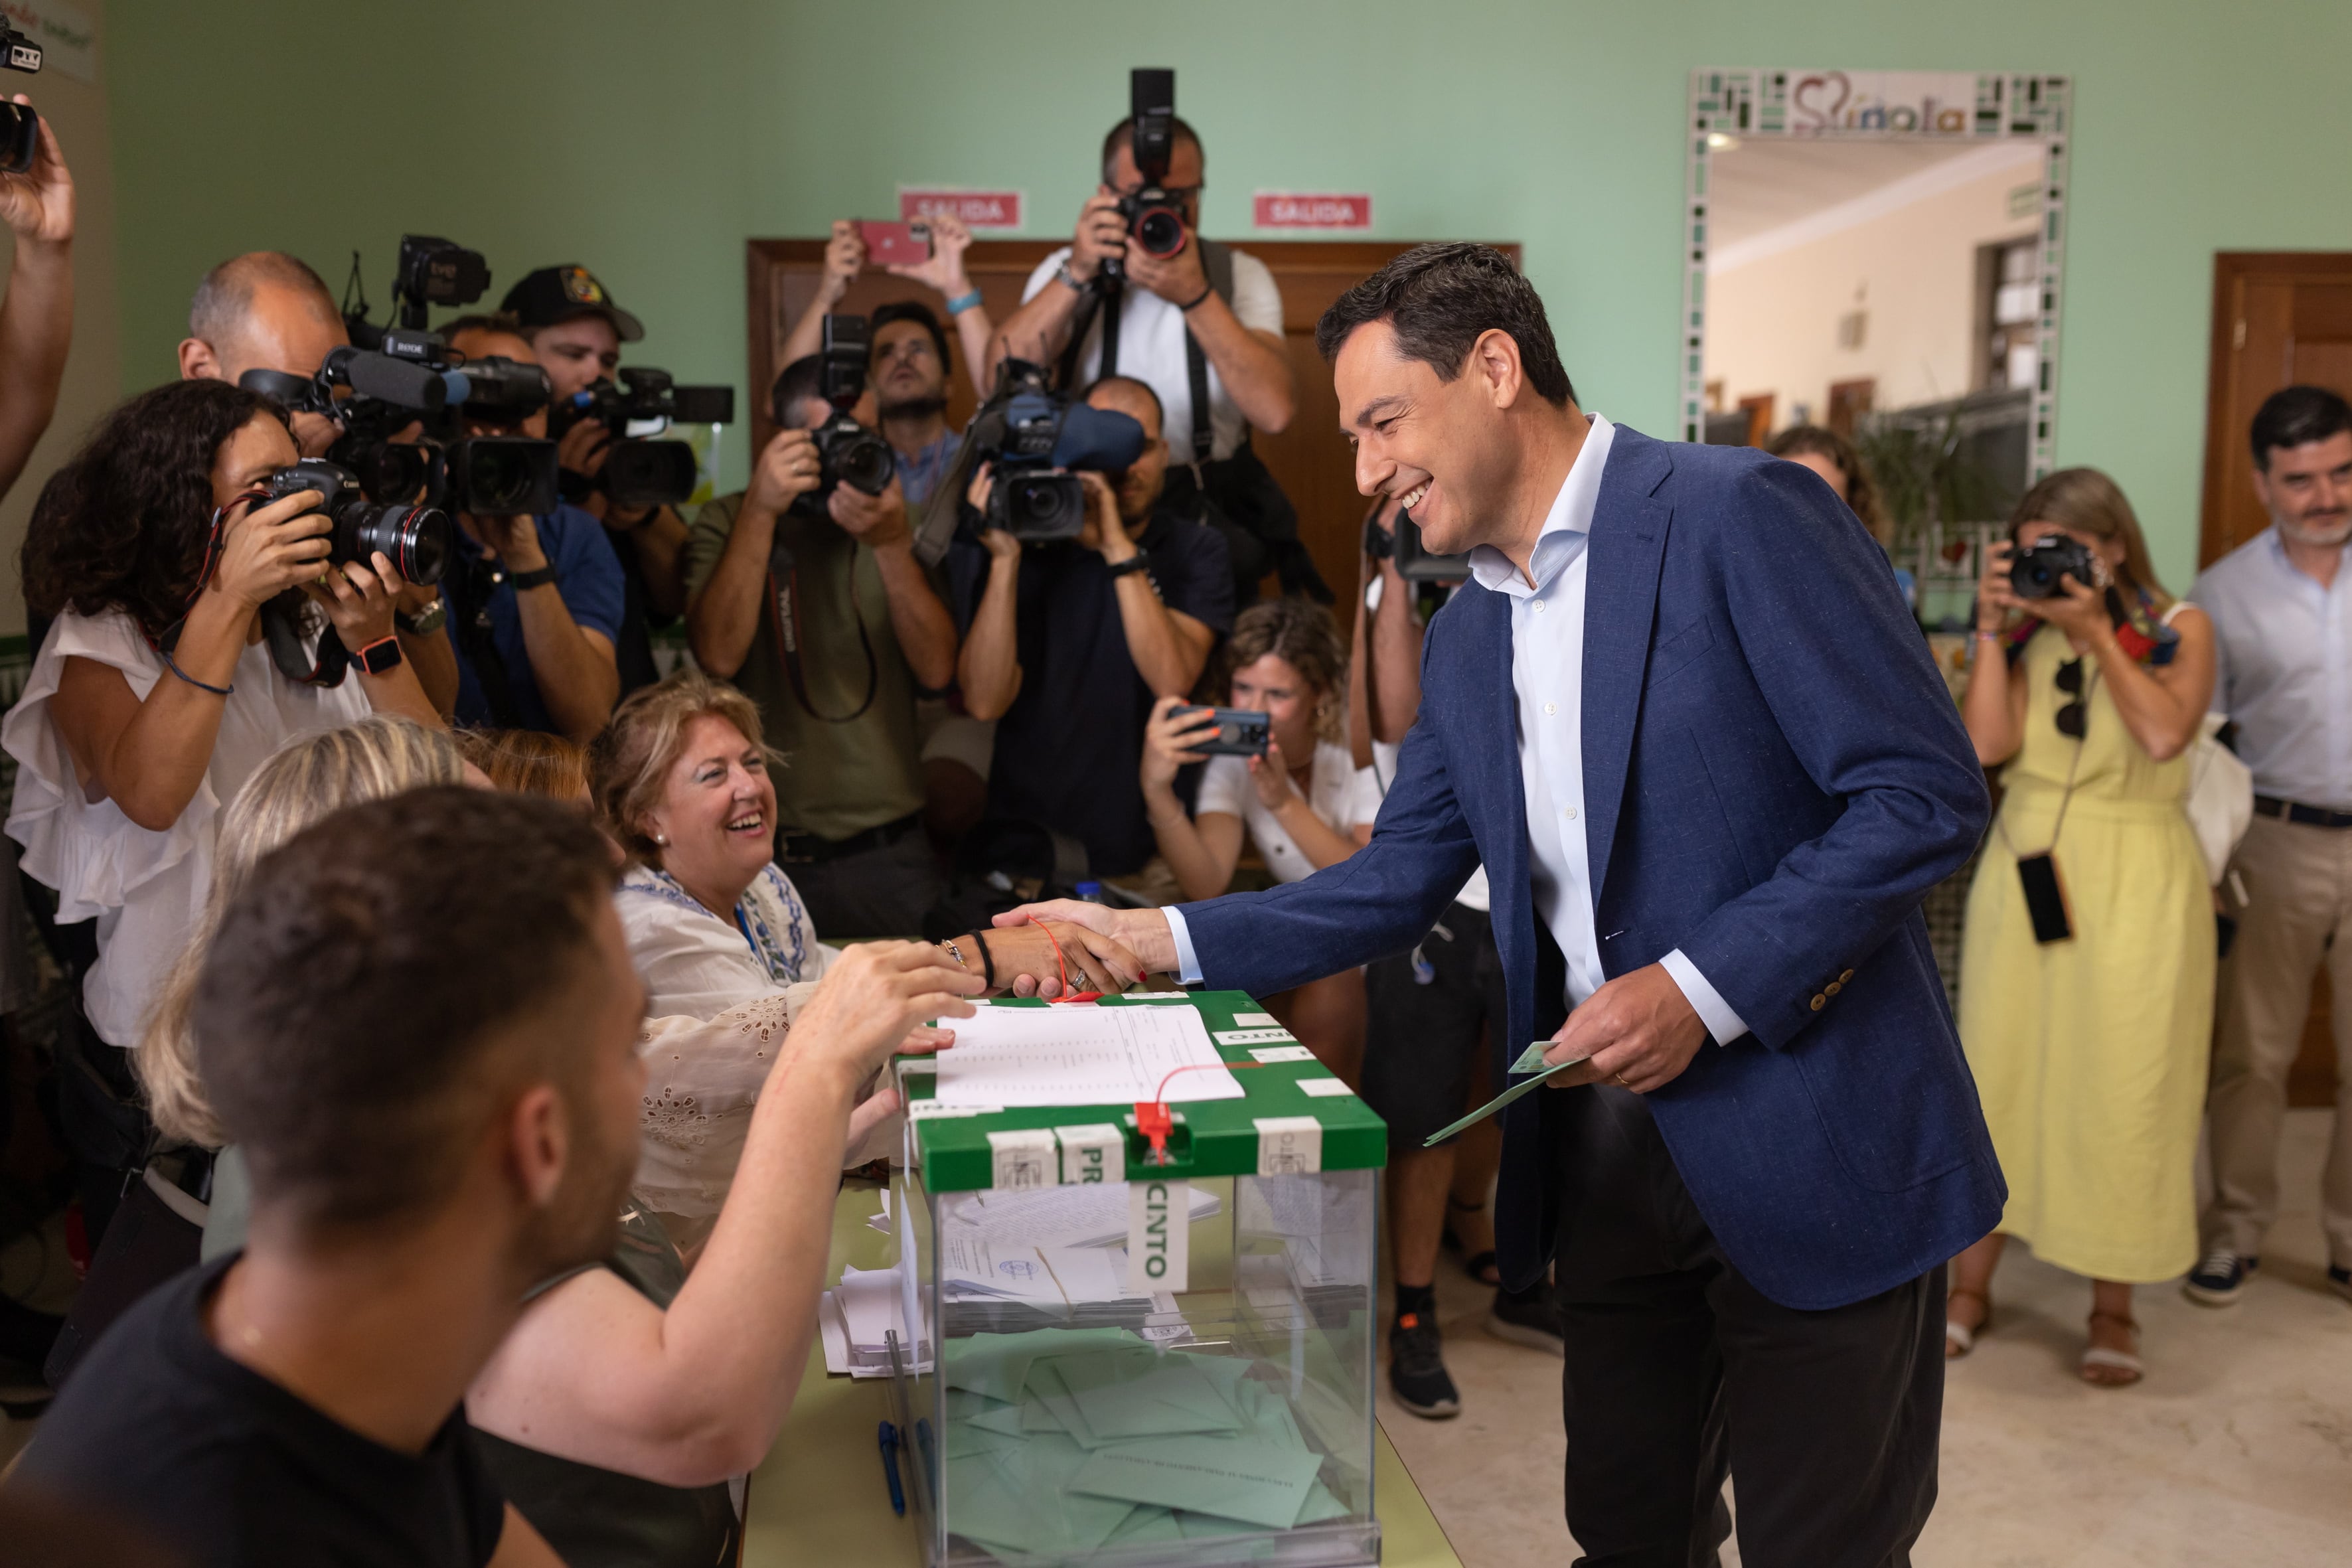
x=1774, y=775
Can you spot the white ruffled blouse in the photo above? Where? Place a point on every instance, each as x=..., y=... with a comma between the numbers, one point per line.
x=145, y=889
x=721, y=994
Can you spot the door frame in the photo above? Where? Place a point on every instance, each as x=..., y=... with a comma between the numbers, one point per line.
x=2225, y=426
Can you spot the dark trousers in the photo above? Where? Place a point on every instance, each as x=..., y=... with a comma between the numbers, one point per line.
x=1680, y=1372
x=882, y=891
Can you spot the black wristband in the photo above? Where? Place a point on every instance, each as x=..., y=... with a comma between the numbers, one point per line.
x=521, y=581
x=987, y=962
x=1198, y=300
x=1139, y=562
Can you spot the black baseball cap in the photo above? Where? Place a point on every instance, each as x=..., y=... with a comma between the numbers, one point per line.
x=555, y=294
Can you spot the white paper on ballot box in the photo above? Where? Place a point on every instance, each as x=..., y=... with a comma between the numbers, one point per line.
x=1081, y=1055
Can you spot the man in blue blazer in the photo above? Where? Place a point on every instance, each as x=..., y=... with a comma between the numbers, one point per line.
x=1682, y=716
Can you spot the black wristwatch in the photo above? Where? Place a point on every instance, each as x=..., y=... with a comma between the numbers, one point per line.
x=380, y=657
x=1139, y=562
x=425, y=622
x=521, y=581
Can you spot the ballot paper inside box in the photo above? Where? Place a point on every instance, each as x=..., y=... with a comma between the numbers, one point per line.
x=1127, y=1362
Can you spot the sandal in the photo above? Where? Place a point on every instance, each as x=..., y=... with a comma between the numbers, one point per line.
x=1480, y=1266
x=1960, y=1338
x=2103, y=1368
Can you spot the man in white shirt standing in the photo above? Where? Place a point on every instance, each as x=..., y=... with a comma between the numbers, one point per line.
x=1707, y=813
x=2282, y=610
x=1202, y=326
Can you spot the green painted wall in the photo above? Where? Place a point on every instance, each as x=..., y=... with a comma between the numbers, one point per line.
x=648, y=141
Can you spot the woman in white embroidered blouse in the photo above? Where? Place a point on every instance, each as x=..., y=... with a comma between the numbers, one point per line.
x=154, y=695
x=681, y=779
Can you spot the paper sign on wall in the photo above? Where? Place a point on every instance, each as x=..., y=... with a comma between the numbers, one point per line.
x=981, y=210
x=1295, y=209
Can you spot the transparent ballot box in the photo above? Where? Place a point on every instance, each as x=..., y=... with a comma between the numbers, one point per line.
x=1121, y=1354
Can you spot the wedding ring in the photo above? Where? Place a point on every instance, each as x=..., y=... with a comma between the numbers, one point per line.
x=1621, y=1083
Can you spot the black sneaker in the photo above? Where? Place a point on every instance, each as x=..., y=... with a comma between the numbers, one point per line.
x=1525, y=1318
x=2220, y=1280
x=1417, y=1374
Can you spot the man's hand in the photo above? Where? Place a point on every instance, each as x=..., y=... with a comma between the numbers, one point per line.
x=38, y=204
x=1104, y=531
x=1101, y=235
x=1142, y=934
x=1031, y=963
x=1179, y=278
x=788, y=468
x=1639, y=1032
x=585, y=448
x=943, y=270
x=875, y=521
x=844, y=258
x=511, y=542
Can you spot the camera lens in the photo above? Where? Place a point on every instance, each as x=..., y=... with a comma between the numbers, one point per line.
x=415, y=538
x=1047, y=506
x=1159, y=230
x=855, y=457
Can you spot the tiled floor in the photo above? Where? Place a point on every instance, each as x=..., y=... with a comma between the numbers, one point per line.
x=2237, y=1448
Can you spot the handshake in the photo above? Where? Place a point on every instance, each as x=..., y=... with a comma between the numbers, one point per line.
x=1065, y=947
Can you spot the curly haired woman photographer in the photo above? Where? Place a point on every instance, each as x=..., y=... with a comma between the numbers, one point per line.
x=2087, y=978
x=153, y=698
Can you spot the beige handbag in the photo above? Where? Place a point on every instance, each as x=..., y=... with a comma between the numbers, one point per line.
x=2219, y=799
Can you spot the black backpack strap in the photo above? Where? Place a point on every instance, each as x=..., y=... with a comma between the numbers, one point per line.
x=469, y=616
x=1066, y=374
x=1217, y=262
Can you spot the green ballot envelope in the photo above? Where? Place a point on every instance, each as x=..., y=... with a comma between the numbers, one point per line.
x=1103, y=1349
x=1530, y=1060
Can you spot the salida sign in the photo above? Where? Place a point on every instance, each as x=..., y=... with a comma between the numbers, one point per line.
x=978, y=209
x=1294, y=209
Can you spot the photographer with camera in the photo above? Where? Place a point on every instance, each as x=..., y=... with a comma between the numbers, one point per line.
x=835, y=563
x=1139, y=292
x=180, y=591
x=576, y=332
x=1069, y=645
x=534, y=598
x=37, y=319
x=265, y=311
x=2087, y=961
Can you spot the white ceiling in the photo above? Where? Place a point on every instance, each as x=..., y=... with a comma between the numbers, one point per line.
x=1767, y=184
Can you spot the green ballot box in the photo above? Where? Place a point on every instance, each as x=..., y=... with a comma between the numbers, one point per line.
x=1131, y=1315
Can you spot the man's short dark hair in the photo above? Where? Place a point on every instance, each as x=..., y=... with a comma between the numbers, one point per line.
x=1439, y=299
x=911, y=311
x=218, y=310
x=2296, y=417
x=505, y=322
x=804, y=378
x=1123, y=135
x=349, y=1014
x=1145, y=387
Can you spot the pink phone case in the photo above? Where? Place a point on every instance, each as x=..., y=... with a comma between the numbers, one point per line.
x=896, y=243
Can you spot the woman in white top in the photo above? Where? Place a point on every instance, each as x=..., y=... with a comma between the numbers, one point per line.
x=681, y=780
x=154, y=695
x=1299, y=804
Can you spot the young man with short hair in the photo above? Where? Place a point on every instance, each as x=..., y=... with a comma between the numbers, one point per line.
x=420, y=1023
x=2282, y=610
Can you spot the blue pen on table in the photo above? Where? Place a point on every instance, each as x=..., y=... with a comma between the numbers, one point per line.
x=888, y=1438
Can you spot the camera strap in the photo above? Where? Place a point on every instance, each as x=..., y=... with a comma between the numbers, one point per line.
x=784, y=627
x=281, y=628
x=469, y=622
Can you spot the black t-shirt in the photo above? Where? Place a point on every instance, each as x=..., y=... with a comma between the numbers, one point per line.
x=159, y=1427
x=1068, y=750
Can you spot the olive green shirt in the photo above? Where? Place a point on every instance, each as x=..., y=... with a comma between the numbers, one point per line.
x=838, y=779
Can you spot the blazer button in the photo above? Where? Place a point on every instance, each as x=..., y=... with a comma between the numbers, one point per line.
x=1832, y=988
x=1847, y=978
x=1820, y=1003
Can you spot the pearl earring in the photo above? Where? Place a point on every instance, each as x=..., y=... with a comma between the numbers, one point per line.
x=662, y=839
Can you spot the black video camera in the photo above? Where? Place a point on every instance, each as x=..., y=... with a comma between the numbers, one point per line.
x=430, y=272
x=2034, y=573
x=20, y=126
x=374, y=394
x=415, y=538
x=1414, y=562
x=1155, y=218
x=1032, y=438
x=847, y=452
x=639, y=472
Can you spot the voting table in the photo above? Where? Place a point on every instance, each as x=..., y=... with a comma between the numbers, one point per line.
x=1125, y=1306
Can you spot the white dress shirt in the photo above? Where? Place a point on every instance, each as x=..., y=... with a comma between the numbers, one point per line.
x=1547, y=677
x=2284, y=645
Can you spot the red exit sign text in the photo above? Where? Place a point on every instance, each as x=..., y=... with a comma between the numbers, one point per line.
x=1289, y=209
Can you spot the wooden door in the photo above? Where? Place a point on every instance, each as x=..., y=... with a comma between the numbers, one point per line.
x=2280, y=319
x=1310, y=459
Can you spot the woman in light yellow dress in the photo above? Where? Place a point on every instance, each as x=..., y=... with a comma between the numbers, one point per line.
x=2089, y=1050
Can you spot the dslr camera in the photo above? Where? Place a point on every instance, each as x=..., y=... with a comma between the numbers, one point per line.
x=2033, y=573
x=1032, y=437
x=847, y=452
x=1155, y=219
x=415, y=537
x=640, y=472
x=20, y=126
x=1414, y=560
